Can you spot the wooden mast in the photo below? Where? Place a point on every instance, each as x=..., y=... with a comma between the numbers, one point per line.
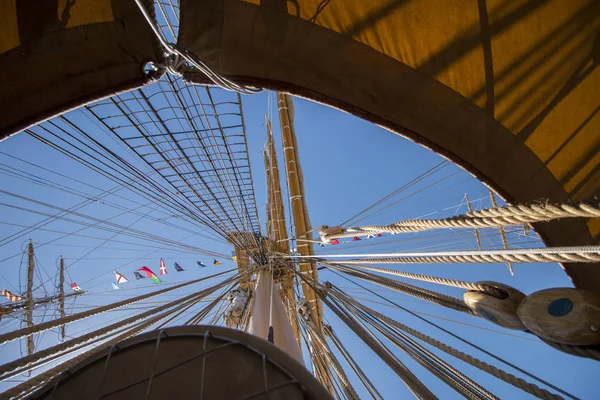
x=279, y=228
x=302, y=226
x=298, y=203
x=61, y=295
x=29, y=296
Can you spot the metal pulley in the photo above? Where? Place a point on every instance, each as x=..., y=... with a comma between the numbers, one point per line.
x=325, y=231
x=500, y=308
x=563, y=315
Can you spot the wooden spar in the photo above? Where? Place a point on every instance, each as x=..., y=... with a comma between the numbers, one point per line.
x=29, y=297
x=502, y=233
x=270, y=202
x=276, y=208
x=476, y=230
x=298, y=203
x=301, y=222
x=61, y=296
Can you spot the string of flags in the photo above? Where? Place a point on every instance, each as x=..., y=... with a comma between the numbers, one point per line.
x=354, y=239
x=141, y=273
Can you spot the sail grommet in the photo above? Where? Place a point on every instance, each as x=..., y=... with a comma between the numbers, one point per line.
x=326, y=231
x=563, y=315
x=500, y=308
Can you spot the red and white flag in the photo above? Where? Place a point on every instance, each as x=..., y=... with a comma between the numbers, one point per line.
x=119, y=278
x=76, y=287
x=163, y=268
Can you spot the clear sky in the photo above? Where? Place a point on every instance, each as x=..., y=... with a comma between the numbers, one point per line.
x=348, y=164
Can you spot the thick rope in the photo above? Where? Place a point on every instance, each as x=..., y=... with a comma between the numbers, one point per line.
x=44, y=326
x=473, y=286
x=498, y=258
x=488, y=218
x=27, y=360
x=419, y=293
x=490, y=369
x=575, y=254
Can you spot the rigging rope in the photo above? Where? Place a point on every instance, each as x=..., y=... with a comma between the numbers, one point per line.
x=572, y=254
x=438, y=367
x=497, y=358
x=410, y=380
x=488, y=218
x=474, y=286
x=498, y=373
x=417, y=292
x=333, y=361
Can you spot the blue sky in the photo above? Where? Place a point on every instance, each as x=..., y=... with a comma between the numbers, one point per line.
x=348, y=164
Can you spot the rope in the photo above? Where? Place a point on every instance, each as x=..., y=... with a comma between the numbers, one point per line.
x=488, y=218
x=410, y=380
x=434, y=364
x=574, y=254
x=334, y=363
x=457, y=337
x=490, y=369
x=420, y=293
x=364, y=379
x=473, y=286
x=8, y=337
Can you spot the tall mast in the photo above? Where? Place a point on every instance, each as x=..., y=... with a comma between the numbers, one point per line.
x=302, y=227
x=279, y=228
x=61, y=295
x=29, y=297
x=298, y=202
x=277, y=205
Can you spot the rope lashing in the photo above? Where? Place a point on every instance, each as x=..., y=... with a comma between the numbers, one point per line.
x=488, y=218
